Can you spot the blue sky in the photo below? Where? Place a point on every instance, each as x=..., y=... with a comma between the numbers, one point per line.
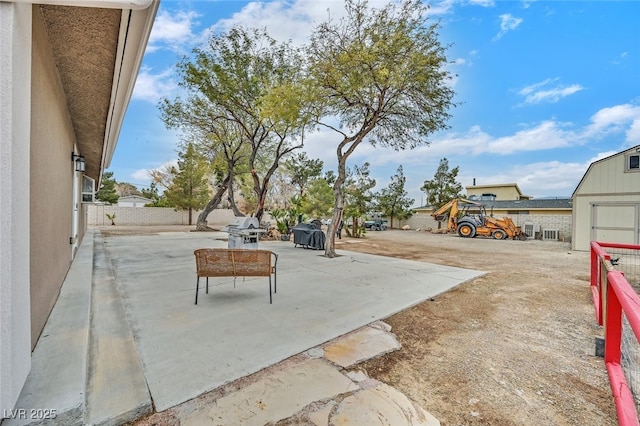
x=545, y=88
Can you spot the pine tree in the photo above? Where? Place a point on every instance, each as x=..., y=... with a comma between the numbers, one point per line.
x=107, y=192
x=393, y=201
x=443, y=187
x=190, y=187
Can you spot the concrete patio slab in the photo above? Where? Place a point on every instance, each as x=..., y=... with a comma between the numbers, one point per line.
x=188, y=349
x=116, y=388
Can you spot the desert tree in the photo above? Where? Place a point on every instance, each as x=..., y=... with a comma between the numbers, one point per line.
x=393, y=200
x=246, y=78
x=381, y=73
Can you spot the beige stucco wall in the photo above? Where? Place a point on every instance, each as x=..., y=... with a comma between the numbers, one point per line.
x=52, y=141
x=502, y=192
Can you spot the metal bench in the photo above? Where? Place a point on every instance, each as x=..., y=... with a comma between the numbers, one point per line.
x=220, y=262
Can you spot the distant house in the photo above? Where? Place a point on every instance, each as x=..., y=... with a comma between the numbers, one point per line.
x=606, y=202
x=542, y=218
x=67, y=72
x=133, y=201
x=504, y=191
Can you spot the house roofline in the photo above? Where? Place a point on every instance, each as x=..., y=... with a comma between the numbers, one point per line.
x=135, y=30
x=107, y=4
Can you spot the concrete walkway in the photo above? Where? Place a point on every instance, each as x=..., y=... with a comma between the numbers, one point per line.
x=146, y=307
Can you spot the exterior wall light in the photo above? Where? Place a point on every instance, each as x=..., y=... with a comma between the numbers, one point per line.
x=78, y=162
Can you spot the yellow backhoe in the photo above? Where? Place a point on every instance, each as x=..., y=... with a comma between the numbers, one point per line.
x=469, y=219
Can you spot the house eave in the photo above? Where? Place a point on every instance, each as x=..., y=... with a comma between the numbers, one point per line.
x=135, y=30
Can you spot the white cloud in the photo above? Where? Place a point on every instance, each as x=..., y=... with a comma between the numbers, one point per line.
x=546, y=135
x=633, y=133
x=541, y=92
x=527, y=90
x=620, y=59
x=538, y=178
x=144, y=175
x=483, y=3
x=507, y=23
x=619, y=118
x=553, y=95
x=441, y=8
x=151, y=87
x=294, y=20
x=284, y=20
x=172, y=30
x=551, y=177
x=141, y=175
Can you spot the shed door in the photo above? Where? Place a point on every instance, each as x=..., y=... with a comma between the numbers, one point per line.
x=616, y=223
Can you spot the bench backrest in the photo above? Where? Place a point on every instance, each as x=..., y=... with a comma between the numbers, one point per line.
x=219, y=262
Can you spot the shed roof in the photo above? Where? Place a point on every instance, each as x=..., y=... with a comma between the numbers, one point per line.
x=134, y=198
x=633, y=148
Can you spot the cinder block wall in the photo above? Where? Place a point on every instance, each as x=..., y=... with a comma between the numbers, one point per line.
x=97, y=216
x=561, y=222
x=418, y=221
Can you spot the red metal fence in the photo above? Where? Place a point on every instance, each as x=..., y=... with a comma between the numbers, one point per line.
x=615, y=299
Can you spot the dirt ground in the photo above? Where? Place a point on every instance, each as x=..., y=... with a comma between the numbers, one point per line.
x=513, y=347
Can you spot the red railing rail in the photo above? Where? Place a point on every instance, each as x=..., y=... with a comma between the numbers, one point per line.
x=613, y=296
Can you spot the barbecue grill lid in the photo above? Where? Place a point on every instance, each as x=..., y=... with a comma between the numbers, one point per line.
x=242, y=222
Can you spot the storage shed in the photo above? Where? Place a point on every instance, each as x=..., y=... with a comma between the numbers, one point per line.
x=133, y=201
x=606, y=202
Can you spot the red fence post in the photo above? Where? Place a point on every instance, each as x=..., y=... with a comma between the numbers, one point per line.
x=597, y=290
x=621, y=298
x=613, y=331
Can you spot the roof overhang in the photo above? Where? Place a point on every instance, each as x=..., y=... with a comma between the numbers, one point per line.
x=98, y=46
x=108, y=4
x=132, y=42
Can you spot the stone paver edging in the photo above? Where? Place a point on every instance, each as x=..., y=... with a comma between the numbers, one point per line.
x=317, y=391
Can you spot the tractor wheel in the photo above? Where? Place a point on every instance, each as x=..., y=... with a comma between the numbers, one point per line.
x=499, y=234
x=466, y=230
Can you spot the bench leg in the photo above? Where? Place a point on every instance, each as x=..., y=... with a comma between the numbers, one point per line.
x=270, y=297
x=197, y=288
x=207, y=285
